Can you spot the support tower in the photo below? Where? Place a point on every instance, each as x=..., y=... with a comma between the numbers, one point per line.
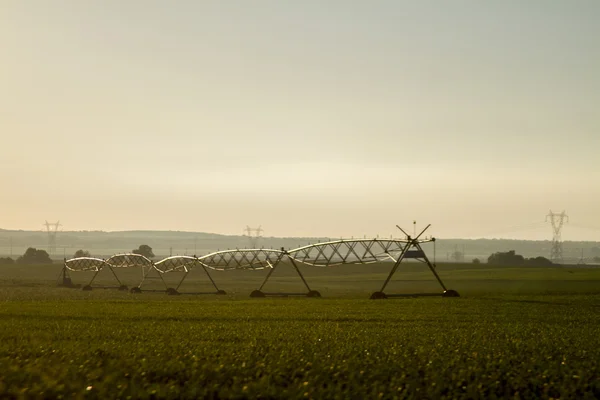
x=253, y=234
x=51, y=230
x=557, y=220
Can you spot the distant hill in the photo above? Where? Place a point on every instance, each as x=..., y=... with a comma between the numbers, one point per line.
x=164, y=243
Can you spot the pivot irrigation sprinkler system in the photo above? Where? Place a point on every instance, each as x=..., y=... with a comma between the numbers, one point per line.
x=322, y=255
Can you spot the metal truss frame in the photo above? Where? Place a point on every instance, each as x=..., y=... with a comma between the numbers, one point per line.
x=247, y=259
x=175, y=264
x=347, y=251
x=88, y=264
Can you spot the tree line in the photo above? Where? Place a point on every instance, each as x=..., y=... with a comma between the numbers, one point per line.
x=38, y=256
x=510, y=258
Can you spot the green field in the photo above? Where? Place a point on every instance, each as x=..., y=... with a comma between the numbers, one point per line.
x=524, y=333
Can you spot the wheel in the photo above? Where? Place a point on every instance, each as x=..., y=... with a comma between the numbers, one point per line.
x=313, y=293
x=66, y=282
x=378, y=296
x=172, y=292
x=123, y=288
x=221, y=292
x=257, y=293
x=135, y=290
x=450, y=293
x=87, y=288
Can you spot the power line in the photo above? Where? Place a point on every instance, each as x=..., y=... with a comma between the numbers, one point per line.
x=589, y=227
x=515, y=228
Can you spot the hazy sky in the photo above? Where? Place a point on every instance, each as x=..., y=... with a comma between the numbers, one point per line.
x=332, y=118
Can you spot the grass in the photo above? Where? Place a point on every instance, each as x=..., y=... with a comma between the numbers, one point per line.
x=514, y=333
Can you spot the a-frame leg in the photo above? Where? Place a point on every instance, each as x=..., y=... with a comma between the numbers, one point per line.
x=175, y=291
x=97, y=272
x=381, y=294
x=145, y=274
x=309, y=293
x=447, y=292
x=64, y=278
x=413, y=243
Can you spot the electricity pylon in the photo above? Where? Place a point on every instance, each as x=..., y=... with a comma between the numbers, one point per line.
x=253, y=237
x=52, y=229
x=557, y=220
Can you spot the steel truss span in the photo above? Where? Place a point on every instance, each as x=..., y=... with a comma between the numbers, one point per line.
x=88, y=264
x=253, y=259
x=325, y=254
x=85, y=264
x=181, y=264
x=130, y=260
x=348, y=251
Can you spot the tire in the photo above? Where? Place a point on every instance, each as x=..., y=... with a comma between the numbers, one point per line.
x=450, y=293
x=378, y=296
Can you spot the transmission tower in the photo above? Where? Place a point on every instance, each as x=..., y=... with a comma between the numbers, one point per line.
x=557, y=220
x=52, y=230
x=253, y=234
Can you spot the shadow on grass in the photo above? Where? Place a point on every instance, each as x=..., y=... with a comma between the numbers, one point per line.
x=212, y=318
x=524, y=301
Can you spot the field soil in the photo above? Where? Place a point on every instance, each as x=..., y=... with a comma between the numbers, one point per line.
x=514, y=332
